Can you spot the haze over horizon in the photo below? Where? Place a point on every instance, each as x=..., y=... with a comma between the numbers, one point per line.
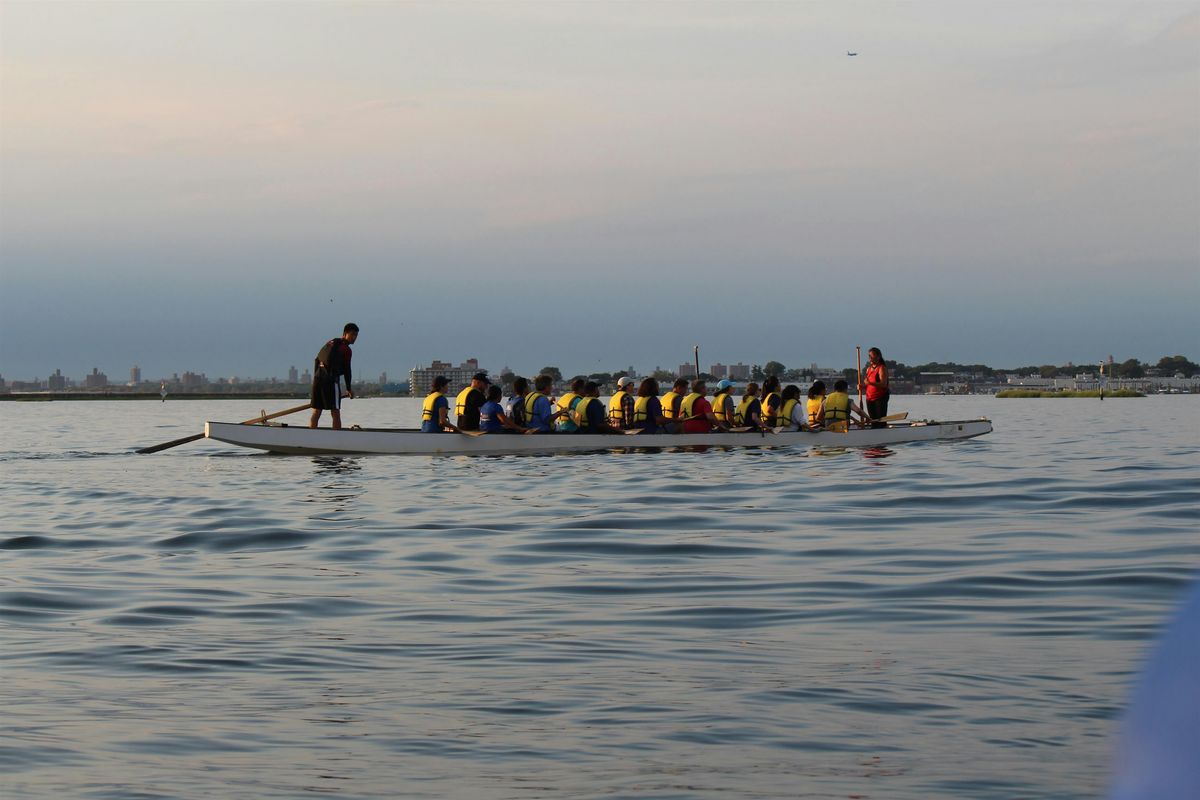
x=219, y=187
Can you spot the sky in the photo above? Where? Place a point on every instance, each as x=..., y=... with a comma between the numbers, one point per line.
x=219, y=187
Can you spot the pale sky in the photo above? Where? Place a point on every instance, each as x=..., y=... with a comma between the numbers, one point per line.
x=219, y=187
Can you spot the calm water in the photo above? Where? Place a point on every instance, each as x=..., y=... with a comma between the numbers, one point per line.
x=938, y=620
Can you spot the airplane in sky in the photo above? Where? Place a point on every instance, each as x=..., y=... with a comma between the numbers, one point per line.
x=851, y=54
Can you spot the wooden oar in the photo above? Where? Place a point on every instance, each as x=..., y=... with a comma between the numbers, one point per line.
x=893, y=417
x=256, y=420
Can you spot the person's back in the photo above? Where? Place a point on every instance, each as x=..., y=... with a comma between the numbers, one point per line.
x=837, y=407
x=791, y=413
x=722, y=403
x=816, y=403
x=647, y=409
x=590, y=413
x=490, y=414
x=467, y=408
x=695, y=410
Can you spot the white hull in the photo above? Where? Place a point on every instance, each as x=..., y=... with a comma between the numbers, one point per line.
x=383, y=441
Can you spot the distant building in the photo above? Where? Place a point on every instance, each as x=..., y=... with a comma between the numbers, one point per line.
x=687, y=371
x=382, y=378
x=56, y=382
x=293, y=375
x=97, y=380
x=718, y=370
x=135, y=375
x=420, y=379
x=739, y=372
x=191, y=380
x=306, y=377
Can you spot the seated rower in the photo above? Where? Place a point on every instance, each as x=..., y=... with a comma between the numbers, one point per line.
x=647, y=409
x=698, y=416
x=566, y=404
x=722, y=404
x=516, y=404
x=492, y=418
x=838, y=407
x=539, y=413
x=815, y=405
x=771, y=402
x=620, y=407
x=792, y=413
x=749, y=411
x=469, y=401
x=671, y=404
x=590, y=415
x=436, y=407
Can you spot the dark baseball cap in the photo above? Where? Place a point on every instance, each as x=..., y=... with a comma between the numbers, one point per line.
x=481, y=376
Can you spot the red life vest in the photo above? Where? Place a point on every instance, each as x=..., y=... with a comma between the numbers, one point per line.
x=876, y=389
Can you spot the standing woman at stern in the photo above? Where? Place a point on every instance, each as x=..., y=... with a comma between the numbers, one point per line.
x=876, y=385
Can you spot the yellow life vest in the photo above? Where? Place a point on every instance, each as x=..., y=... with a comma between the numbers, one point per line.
x=580, y=412
x=718, y=407
x=427, y=412
x=641, y=410
x=814, y=410
x=616, y=409
x=530, y=399
x=741, y=416
x=837, y=408
x=668, y=403
x=564, y=402
x=770, y=420
x=685, y=408
x=785, y=414
x=460, y=402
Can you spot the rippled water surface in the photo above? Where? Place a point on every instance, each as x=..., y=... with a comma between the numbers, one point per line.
x=934, y=620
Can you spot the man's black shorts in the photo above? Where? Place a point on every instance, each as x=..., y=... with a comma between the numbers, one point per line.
x=326, y=394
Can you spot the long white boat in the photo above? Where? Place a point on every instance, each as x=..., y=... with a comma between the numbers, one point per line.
x=407, y=441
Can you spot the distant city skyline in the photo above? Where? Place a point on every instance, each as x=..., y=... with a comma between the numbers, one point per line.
x=220, y=187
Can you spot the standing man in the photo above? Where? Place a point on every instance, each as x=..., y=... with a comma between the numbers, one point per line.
x=331, y=363
x=470, y=400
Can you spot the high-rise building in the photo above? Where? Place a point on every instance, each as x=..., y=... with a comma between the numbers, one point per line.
x=135, y=375
x=718, y=370
x=687, y=371
x=420, y=379
x=56, y=382
x=739, y=372
x=293, y=375
x=383, y=379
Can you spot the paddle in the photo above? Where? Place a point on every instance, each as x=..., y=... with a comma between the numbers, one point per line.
x=893, y=417
x=858, y=356
x=839, y=427
x=256, y=420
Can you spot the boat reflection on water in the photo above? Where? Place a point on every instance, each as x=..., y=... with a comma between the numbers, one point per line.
x=877, y=452
x=331, y=490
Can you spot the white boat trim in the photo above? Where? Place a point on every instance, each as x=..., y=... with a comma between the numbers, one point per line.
x=407, y=441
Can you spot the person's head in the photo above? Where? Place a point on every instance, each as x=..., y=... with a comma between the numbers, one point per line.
x=624, y=383
x=839, y=385
x=577, y=385
x=440, y=383
x=791, y=392
x=649, y=388
x=480, y=381
x=520, y=386
x=817, y=390
x=752, y=389
x=771, y=384
x=875, y=355
x=494, y=393
x=700, y=387
x=681, y=385
x=350, y=332
x=591, y=389
x=724, y=387
x=542, y=384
